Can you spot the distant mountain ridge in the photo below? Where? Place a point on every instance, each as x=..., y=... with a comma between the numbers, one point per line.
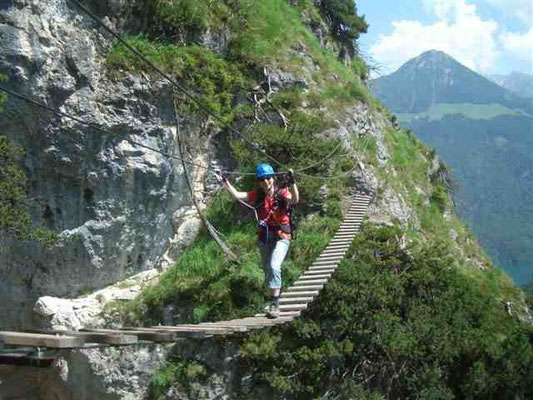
x=517, y=82
x=434, y=77
x=484, y=133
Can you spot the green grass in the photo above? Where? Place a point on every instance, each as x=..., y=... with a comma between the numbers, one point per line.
x=213, y=80
x=204, y=285
x=265, y=31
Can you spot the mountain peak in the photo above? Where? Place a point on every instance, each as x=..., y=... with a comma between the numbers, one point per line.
x=432, y=59
x=433, y=54
x=435, y=77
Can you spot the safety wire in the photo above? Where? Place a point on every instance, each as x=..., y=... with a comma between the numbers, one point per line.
x=190, y=96
x=139, y=144
x=91, y=125
x=206, y=222
x=193, y=98
x=176, y=84
x=255, y=146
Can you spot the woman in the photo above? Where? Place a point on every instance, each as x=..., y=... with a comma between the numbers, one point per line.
x=273, y=206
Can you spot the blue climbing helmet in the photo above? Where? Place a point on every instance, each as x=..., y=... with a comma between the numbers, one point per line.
x=264, y=170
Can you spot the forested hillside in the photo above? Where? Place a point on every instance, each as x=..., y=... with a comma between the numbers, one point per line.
x=483, y=132
x=415, y=310
x=492, y=164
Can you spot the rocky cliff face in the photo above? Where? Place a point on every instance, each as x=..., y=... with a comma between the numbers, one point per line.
x=119, y=208
x=111, y=201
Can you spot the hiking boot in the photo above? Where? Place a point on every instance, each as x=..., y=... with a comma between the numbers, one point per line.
x=272, y=311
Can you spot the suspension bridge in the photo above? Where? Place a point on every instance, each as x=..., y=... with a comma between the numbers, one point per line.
x=25, y=348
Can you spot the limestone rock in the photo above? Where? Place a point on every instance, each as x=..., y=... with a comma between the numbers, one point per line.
x=110, y=196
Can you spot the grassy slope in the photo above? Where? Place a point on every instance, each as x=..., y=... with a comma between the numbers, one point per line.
x=381, y=311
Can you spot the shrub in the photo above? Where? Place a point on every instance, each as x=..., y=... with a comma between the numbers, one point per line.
x=403, y=324
x=346, y=25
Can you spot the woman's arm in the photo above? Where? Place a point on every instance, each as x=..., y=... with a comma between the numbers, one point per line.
x=237, y=195
x=295, y=195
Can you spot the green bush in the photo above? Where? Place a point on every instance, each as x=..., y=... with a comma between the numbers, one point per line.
x=346, y=25
x=14, y=216
x=213, y=80
x=400, y=324
x=187, y=375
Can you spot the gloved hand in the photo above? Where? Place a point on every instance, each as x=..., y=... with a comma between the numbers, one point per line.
x=290, y=179
x=220, y=177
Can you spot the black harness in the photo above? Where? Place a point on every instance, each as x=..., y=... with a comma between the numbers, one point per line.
x=279, y=203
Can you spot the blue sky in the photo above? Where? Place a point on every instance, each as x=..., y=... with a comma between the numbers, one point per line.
x=488, y=36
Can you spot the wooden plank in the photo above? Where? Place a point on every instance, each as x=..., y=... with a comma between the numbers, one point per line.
x=152, y=336
x=292, y=307
x=306, y=277
x=326, y=263
x=282, y=314
x=292, y=300
x=94, y=337
x=298, y=293
x=190, y=327
x=330, y=257
x=310, y=282
x=256, y=323
x=259, y=320
x=319, y=270
x=40, y=340
x=343, y=246
x=333, y=252
x=197, y=330
x=301, y=288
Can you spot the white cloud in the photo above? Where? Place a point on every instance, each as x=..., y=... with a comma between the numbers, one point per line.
x=460, y=32
x=519, y=45
x=520, y=9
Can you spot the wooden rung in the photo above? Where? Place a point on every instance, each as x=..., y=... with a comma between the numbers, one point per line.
x=310, y=282
x=282, y=314
x=298, y=293
x=40, y=340
x=334, y=252
x=192, y=327
x=306, y=277
x=292, y=307
x=234, y=326
x=330, y=257
x=291, y=300
x=304, y=288
x=95, y=337
x=319, y=270
x=326, y=263
x=197, y=330
x=141, y=333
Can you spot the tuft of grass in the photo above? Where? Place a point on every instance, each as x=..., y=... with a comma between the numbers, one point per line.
x=208, y=76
